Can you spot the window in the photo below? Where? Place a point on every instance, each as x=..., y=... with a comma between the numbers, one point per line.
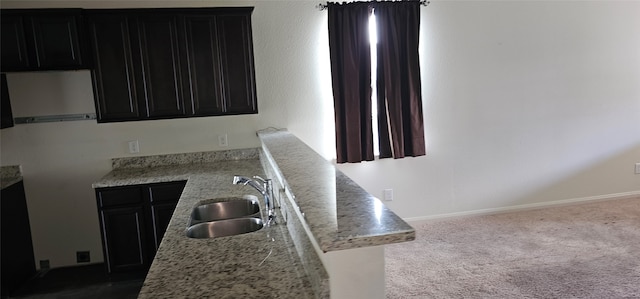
x=391, y=61
x=373, y=47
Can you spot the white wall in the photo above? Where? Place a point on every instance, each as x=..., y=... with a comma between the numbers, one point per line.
x=61, y=160
x=525, y=102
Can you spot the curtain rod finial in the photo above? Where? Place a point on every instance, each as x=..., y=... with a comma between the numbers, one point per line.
x=321, y=6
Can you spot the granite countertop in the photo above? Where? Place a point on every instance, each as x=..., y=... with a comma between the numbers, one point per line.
x=338, y=212
x=10, y=175
x=261, y=264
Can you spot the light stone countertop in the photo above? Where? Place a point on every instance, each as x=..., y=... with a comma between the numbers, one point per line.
x=339, y=213
x=261, y=264
x=10, y=175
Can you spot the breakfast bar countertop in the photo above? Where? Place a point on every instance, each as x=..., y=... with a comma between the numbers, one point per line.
x=262, y=264
x=338, y=212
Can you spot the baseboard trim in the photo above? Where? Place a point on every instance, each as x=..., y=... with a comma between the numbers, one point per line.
x=517, y=208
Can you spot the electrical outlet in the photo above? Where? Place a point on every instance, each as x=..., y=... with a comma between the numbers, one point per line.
x=637, y=168
x=134, y=147
x=83, y=257
x=222, y=140
x=388, y=194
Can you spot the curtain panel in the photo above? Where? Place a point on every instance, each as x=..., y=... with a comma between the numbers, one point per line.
x=399, y=95
x=399, y=92
x=351, y=80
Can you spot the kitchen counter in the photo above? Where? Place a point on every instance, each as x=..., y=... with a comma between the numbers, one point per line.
x=261, y=264
x=338, y=212
x=10, y=175
x=329, y=231
x=344, y=226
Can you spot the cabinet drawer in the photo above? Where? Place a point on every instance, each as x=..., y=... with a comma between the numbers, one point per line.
x=166, y=192
x=118, y=196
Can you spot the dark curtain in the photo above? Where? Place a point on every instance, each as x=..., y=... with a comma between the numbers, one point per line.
x=351, y=80
x=400, y=117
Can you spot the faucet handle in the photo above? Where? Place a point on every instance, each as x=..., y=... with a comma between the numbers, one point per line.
x=260, y=179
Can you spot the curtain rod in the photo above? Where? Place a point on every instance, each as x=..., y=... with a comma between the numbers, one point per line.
x=322, y=7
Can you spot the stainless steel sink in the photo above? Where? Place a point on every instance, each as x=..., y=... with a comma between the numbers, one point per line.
x=247, y=206
x=223, y=228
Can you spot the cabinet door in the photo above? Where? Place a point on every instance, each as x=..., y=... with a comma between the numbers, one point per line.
x=163, y=198
x=56, y=41
x=6, y=116
x=113, y=81
x=161, y=214
x=41, y=39
x=14, y=46
x=160, y=74
x=179, y=63
x=165, y=192
x=124, y=239
x=203, y=62
x=18, y=262
x=236, y=50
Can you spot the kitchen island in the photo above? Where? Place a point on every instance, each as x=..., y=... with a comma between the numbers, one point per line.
x=328, y=240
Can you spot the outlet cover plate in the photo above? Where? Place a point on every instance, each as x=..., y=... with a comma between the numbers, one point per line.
x=83, y=256
x=222, y=140
x=388, y=194
x=134, y=147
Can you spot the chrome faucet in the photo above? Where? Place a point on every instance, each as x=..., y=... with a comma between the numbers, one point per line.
x=265, y=187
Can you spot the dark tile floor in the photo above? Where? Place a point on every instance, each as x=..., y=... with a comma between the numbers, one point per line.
x=90, y=282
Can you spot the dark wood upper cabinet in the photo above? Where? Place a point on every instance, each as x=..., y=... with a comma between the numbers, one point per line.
x=113, y=76
x=14, y=45
x=204, y=81
x=157, y=39
x=236, y=51
x=172, y=63
x=5, y=110
x=56, y=39
x=41, y=39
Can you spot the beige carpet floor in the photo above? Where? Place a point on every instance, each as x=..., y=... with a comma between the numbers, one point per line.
x=588, y=250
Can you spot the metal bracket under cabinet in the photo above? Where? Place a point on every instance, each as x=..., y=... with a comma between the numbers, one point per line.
x=54, y=118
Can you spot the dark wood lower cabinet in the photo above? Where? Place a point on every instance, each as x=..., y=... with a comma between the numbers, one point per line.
x=124, y=239
x=133, y=220
x=18, y=263
x=161, y=216
x=163, y=199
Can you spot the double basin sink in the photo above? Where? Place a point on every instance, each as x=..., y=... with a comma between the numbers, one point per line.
x=227, y=217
